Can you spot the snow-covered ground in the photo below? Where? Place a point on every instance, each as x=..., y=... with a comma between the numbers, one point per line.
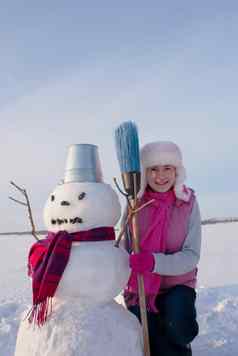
x=217, y=301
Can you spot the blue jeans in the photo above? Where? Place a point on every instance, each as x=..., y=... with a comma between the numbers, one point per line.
x=174, y=327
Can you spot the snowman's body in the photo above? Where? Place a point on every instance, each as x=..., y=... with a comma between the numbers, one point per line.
x=85, y=319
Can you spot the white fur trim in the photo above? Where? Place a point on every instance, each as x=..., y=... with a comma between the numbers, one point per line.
x=163, y=153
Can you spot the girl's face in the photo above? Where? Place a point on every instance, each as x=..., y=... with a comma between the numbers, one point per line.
x=161, y=178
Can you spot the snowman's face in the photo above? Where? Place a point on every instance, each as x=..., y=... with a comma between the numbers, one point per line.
x=77, y=206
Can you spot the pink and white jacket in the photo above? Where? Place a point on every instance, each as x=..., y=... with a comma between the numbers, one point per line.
x=178, y=263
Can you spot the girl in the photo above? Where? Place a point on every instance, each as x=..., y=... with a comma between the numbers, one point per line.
x=170, y=240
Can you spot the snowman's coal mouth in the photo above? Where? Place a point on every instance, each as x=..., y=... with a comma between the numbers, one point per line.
x=58, y=221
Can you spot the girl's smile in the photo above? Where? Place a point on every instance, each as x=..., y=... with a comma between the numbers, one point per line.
x=161, y=178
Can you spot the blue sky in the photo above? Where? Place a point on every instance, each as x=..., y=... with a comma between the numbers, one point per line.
x=71, y=72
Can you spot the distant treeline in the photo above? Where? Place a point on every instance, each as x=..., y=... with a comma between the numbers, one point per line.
x=44, y=232
x=22, y=233
x=218, y=221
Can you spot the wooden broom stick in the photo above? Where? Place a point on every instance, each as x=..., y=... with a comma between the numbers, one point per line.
x=140, y=280
x=128, y=156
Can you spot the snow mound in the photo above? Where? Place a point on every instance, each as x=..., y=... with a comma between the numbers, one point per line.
x=10, y=314
x=217, y=317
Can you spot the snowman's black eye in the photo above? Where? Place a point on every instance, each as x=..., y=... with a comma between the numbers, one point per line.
x=52, y=198
x=81, y=196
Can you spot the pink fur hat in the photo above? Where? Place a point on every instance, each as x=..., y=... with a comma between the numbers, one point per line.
x=164, y=153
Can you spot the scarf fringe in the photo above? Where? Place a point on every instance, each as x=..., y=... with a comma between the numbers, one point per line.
x=40, y=312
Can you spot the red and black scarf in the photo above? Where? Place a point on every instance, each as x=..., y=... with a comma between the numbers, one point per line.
x=47, y=261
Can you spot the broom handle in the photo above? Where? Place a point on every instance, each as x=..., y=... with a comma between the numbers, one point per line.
x=140, y=280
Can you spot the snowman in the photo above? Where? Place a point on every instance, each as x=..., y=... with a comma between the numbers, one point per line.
x=77, y=272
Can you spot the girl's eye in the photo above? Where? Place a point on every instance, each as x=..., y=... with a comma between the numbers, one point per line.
x=81, y=196
x=52, y=198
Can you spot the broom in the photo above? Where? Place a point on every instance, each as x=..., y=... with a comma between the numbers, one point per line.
x=127, y=147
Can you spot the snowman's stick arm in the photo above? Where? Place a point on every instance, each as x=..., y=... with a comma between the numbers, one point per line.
x=131, y=212
x=17, y=201
x=28, y=205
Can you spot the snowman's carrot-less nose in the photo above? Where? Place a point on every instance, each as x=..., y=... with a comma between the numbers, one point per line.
x=64, y=202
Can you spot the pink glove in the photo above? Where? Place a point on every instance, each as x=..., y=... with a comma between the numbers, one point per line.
x=142, y=262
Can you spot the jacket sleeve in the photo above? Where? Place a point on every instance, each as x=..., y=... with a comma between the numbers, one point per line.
x=187, y=259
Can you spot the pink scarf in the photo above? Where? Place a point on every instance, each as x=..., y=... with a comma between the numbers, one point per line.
x=153, y=228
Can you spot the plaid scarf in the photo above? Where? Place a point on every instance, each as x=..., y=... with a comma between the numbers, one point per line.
x=46, y=263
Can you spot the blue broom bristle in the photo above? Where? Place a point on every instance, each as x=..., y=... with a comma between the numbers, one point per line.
x=127, y=147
